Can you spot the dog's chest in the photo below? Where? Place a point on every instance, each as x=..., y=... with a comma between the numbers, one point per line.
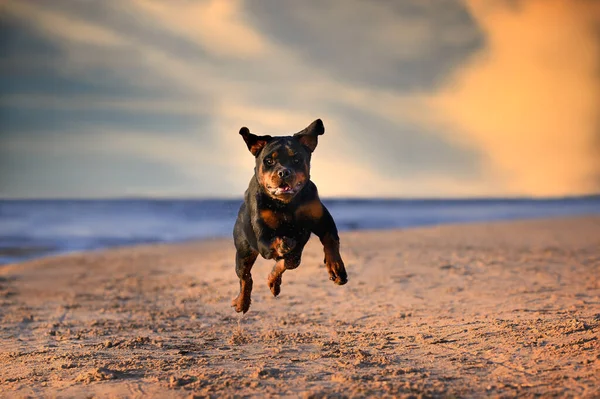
x=279, y=219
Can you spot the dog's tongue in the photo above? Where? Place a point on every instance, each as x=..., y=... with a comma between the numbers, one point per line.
x=284, y=187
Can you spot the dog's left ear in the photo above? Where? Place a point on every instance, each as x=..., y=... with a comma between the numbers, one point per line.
x=309, y=136
x=255, y=143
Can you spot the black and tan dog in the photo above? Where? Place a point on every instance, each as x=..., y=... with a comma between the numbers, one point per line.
x=281, y=209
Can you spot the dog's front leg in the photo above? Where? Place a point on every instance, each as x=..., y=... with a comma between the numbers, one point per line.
x=325, y=228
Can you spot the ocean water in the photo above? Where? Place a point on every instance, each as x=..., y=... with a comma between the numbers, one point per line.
x=36, y=228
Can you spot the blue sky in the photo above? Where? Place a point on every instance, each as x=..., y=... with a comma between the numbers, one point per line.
x=419, y=99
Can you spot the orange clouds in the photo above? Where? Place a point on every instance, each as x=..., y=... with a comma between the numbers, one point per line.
x=530, y=101
x=58, y=25
x=216, y=24
x=526, y=104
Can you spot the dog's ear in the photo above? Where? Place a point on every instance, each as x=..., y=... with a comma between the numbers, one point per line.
x=255, y=143
x=309, y=136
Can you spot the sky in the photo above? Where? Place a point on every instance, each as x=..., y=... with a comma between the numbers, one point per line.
x=437, y=98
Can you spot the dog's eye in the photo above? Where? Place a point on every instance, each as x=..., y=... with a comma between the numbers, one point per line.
x=269, y=161
x=296, y=161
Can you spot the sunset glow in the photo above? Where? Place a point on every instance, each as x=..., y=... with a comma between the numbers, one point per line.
x=145, y=97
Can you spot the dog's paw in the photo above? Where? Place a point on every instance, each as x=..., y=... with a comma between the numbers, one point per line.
x=288, y=244
x=241, y=303
x=283, y=245
x=274, y=282
x=337, y=273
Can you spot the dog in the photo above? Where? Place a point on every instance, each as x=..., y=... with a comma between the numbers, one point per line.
x=281, y=209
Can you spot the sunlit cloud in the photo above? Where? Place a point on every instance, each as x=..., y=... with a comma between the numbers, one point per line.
x=530, y=101
x=418, y=99
x=217, y=25
x=61, y=26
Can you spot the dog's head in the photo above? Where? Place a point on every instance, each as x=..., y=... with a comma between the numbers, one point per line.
x=283, y=163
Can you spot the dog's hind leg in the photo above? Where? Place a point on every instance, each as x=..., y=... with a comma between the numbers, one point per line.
x=283, y=264
x=244, y=260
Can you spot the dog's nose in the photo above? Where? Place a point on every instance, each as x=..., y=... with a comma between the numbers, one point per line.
x=284, y=173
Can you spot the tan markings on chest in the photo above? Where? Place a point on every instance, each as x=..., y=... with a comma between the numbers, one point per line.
x=274, y=219
x=312, y=210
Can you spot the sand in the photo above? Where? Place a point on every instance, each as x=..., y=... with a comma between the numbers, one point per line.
x=495, y=310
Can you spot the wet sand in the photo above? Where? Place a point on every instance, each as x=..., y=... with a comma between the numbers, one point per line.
x=495, y=310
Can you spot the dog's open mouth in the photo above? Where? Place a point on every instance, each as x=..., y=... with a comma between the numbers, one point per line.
x=284, y=188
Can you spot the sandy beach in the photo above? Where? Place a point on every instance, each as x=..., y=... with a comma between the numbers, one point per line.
x=496, y=310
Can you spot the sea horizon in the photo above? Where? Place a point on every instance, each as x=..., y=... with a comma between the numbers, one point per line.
x=325, y=198
x=34, y=228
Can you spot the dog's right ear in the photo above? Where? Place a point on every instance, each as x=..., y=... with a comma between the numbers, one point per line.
x=255, y=143
x=309, y=137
